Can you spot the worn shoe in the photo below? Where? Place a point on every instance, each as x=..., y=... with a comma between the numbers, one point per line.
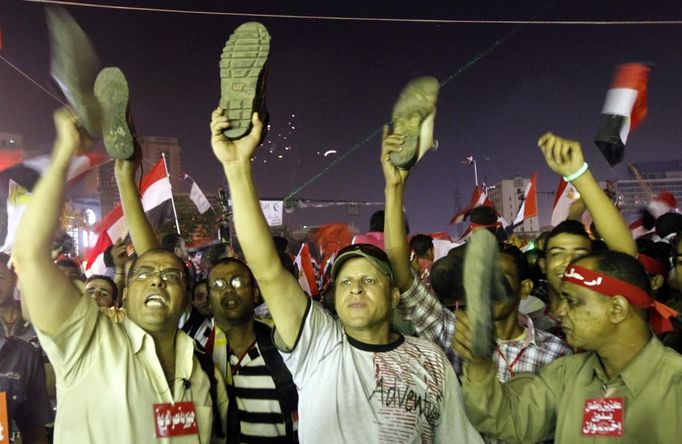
x=413, y=116
x=74, y=66
x=484, y=283
x=243, y=75
x=111, y=90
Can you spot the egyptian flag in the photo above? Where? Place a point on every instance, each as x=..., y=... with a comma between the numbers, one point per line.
x=306, y=272
x=156, y=195
x=624, y=109
x=564, y=197
x=479, y=198
x=663, y=203
x=529, y=205
x=27, y=172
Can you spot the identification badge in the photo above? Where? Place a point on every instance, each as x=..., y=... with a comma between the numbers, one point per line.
x=603, y=417
x=4, y=423
x=175, y=419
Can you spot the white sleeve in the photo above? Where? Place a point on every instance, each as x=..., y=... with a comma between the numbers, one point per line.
x=319, y=334
x=454, y=425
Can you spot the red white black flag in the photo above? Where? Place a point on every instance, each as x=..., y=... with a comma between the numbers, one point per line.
x=624, y=109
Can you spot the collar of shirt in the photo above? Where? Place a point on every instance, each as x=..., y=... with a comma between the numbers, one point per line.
x=184, y=346
x=638, y=372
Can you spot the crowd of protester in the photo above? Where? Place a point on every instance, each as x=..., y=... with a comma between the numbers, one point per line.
x=572, y=340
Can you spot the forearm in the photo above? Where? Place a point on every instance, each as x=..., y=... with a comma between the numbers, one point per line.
x=47, y=294
x=605, y=215
x=395, y=237
x=141, y=231
x=285, y=298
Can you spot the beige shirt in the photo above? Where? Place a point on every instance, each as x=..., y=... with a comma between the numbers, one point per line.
x=531, y=407
x=109, y=377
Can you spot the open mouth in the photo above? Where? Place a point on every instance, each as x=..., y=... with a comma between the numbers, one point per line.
x=155, y=301
x=230, y=303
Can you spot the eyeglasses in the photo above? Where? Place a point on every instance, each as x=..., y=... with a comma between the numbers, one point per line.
x=167, y=275
x=235, y=282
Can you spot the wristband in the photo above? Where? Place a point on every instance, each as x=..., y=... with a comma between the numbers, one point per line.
x=574, y=176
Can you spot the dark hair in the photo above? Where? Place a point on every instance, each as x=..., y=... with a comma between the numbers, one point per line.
x=446, y=280
x=668, y=224
x=376, y=221
x=421, y=244
x=623, y=267
x=67, y=263
x=567, y=227
x=522, y=268
x=281, y=243
x=108, y=280
x=170, y=241
x=183, y=266
x=660, y=251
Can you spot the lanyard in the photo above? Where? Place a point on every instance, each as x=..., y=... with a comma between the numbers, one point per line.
x=510, y=367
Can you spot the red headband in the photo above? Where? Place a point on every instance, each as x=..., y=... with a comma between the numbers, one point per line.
x=610, y=286
x=653, y=266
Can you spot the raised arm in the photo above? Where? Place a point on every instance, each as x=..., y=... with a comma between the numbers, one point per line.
x=47, y=293
x=565, y=157
x=286, y=300
x=141, y=231
x=395, y=237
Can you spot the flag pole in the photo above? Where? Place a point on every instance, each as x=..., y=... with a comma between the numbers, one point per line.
x=175, y=213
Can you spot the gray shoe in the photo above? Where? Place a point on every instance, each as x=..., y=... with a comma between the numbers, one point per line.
x=413, y=117
x=483, y=283
x=243, y=74
x=111, y=89
x=74, y=66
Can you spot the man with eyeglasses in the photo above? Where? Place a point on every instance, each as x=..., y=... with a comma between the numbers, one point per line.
x=358, y=381
x=263, y=398
x=134, y=381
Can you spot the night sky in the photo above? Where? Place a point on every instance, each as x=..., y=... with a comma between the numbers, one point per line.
x=340, y=80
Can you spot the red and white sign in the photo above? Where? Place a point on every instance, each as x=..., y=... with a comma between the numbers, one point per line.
x=175, y=419
x=4, y=423
x=603, y=417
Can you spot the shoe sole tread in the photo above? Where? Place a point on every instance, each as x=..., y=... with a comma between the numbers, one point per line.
x=111, y=89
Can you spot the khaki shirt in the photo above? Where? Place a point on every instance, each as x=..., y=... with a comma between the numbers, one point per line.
x=531, y=407
x=109, y=377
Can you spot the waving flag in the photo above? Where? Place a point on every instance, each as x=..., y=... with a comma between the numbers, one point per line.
x=563, y=199
x=156, y=195
x=529, y=205
x=624, y=109
x=478, y=198
x=306, y=272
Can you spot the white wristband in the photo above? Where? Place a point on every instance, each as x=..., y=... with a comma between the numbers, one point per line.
x=577, y=174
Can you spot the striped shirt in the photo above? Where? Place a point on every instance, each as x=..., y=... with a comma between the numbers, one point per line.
x=260, y=414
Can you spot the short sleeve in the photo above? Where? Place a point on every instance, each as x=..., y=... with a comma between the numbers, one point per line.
x=67, y=345
x=318, y=336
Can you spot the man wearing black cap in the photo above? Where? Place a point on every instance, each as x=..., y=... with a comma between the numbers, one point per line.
x=358, y=381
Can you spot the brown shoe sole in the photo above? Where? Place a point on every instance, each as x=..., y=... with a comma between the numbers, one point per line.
x=111, y=89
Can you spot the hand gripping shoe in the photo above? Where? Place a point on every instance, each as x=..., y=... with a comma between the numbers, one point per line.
x=243, y=75
x=484, y=283
x=413, y=117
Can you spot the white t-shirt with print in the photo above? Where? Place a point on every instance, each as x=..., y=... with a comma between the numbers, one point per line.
x=350, y=392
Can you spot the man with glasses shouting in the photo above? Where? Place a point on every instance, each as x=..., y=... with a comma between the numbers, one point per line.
x=133, y=381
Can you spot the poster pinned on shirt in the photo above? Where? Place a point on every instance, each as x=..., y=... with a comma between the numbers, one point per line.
x=175, y=419
x=4, y=423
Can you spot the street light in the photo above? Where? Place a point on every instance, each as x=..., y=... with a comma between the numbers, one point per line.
x=468, y=161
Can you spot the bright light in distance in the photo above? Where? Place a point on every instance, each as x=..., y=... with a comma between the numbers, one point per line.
x=328, y=152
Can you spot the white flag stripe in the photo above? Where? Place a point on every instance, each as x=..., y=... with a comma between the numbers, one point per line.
x=197, y=196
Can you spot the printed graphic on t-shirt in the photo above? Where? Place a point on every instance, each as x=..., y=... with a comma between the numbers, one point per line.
x=409, y=392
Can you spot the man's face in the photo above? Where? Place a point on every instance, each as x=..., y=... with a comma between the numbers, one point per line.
x=363, y=295
x=560, y=251
x=156, y=293
x=101, y=291
x=584, y=315
x=231, y=294
x=200, y=300
x=504, y=308
x=181, y=250
x=7, y=282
